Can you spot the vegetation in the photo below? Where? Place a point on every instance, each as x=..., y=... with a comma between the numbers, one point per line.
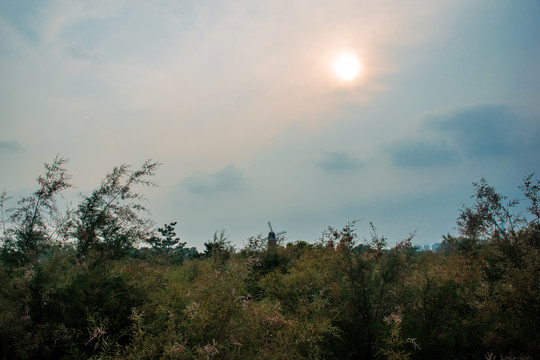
x=83, y=285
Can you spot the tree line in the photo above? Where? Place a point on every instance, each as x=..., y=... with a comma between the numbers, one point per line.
x=99, y=281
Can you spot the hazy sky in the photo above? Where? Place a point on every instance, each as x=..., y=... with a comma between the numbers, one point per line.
x=239, y=102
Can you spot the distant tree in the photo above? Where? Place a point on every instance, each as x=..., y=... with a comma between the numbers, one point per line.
x=33, y=218
x=255, y=246
x=167, y=243
x=219, y=247
x=109, y=218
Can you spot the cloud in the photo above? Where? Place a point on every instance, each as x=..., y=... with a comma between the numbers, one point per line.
x=80, y=53
x=227, y=179
x=265, y=54
x=21, y=15
x=421, y=153
x=478, y=132
x=333, y=161
x=483, y=130
x=10, y=146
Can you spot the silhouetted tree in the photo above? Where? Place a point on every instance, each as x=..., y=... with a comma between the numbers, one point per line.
x=167, y=243
x=491, y=212
x=33, y=218
x=219, y=248
x=531, y=191
x=109, y=218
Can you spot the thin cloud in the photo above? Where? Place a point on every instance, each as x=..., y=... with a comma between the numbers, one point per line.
x=334, y=161
x=224, y=180
x=421, y=153
x=166, y=57
x=10, y=146
x=80, y=53
x=21, y=16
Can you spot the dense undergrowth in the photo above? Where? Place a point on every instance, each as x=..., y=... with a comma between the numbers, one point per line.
x=77, y=286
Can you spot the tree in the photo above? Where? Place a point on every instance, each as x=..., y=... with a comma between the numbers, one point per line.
x=369, y=279
x=492, y=213
x=33, y=218
x=167, y=243
x=509, y=265
x=219, y=248
x=531, y=191
x=3, y=198
x=109, y=218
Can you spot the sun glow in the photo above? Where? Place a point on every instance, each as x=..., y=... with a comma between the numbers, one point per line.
x=347, y=66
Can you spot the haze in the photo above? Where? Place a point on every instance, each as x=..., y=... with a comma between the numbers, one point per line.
x=239, y=102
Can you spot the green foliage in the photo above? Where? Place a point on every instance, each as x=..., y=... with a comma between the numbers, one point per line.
x=73, y=286
x=370, y=281
x=31, y=221
x=531, y=191
x=393, y=346
x=109, y=218
x=219, y=248
x=167, y=244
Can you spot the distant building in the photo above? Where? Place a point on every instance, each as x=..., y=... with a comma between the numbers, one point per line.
x=435, y=246
x=272, y=240
x=427, y=247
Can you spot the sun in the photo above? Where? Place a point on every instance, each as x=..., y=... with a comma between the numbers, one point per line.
x=347, y=66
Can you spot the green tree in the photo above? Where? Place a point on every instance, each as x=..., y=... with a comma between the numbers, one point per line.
x=507, y=300
x=371, y=284
x=33, y=218
x=219, y=248
x=110, y=217
x=493, y=212
x=167, y=243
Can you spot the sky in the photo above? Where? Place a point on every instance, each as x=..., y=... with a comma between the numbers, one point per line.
x=240, y=104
